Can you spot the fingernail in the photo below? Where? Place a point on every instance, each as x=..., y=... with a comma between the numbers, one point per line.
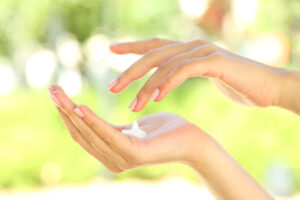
x=155, y=94
x=112, y=84
x=55, y=100
x=50, y=89
x=78, y=112
x=114, y=44
x=132, y=105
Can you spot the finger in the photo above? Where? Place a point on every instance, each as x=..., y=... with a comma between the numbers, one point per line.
x=129, y=146
x=150, y=60
x=55, y=87
x=75, y=134
x=95, y=122
x=208, y=66
x=149, y=90
x=95, y=141
x=109, y=134
x=139, y=47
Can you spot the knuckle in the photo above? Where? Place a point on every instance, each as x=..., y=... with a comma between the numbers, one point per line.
x=150, y=54
x=108, y=140
x=199, y=42
x=149, y=59
x=182, y=67
x=209, y=48
x=164, y=87
x=125, y=76
x=215, y=56
x=142, y=94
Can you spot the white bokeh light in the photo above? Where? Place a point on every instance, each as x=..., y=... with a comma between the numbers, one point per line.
x=7, y=79
x=244, y=12
x=268, y=49
x=97, y=53
x=121, y=62
x=96, y=48
x=69, y=51
x=70, y=80
x=40, y=68
x=192, y=8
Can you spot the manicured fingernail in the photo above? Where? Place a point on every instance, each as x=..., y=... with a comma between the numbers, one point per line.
x=155, y=94
x=132, y=105
x=112, y=84
x=78, y=112
x=50, y=89
x=55, y=100
x=114, y=44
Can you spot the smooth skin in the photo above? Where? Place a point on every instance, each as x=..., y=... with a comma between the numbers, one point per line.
x=242, y=80
x=170, y=138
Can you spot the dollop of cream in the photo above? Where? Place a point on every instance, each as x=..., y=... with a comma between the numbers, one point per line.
x=135, y=131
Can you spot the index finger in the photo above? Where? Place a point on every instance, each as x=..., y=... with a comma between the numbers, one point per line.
x=139, y=47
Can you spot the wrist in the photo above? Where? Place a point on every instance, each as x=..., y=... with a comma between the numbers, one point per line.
x=289, y=96
x=201, y=149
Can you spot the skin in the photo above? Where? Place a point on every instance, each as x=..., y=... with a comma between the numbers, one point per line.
x=171, y=138
x=178, y=61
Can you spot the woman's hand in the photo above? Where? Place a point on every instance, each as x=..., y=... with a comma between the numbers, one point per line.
x=170, y=138
x=242, y=80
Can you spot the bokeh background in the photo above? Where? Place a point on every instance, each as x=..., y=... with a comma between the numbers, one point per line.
x=66, y=42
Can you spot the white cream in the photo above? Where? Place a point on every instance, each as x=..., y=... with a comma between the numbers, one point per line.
x=135, y=131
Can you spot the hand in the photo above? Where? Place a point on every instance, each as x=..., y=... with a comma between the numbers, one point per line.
x=242, y=80
x=170, y=138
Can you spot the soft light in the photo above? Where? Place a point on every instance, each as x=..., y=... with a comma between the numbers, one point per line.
x=7, y=79
x=40, y=68
x=71, y=81
x=192, y=8
x=69, y=51
x=244, y=12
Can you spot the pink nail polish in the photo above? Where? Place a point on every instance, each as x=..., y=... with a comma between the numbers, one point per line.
x=132, y=105
x=79, y=112
x=155, y=94
x=55, y=100
x=114, y=44
x=112, y=84
x=50, y=89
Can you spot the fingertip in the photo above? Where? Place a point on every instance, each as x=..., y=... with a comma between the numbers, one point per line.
x=116, y=48
x=54, y=88
x=66, y=103
x=117, y=88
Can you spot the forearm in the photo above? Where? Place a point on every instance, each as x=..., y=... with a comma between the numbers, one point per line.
x=225, y=178
x=290, y=94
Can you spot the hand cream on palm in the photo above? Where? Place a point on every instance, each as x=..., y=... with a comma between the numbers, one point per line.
x=135, y=131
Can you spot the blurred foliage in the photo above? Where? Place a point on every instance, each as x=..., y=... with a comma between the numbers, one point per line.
x=33, y=20
x=31, y=133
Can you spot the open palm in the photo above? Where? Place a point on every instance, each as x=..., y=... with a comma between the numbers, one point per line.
x=169, y=137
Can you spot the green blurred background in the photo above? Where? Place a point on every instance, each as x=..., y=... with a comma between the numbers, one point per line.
x=66, y=42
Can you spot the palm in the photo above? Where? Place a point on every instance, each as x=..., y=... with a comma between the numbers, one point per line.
x=166, y=132
x=169, y=137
